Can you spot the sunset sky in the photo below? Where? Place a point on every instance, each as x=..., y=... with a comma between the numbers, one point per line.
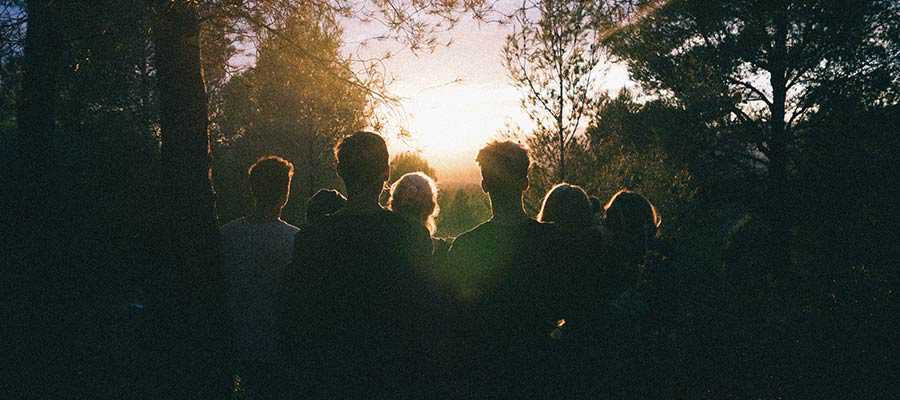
x=454, y=99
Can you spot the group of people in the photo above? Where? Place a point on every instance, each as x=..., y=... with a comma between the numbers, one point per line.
x=363, y=301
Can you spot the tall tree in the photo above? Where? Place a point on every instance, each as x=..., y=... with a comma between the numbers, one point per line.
x=32, y=266
x=554, y=56
x=753, y=69
x=192, y=301
x=12, y=30
x=38, y=100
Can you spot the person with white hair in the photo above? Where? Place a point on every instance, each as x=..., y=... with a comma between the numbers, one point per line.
x=414, y=196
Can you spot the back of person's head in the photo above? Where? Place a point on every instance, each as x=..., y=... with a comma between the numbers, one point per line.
x=270, y=181
x=362, y=162
x=504, y=167
x=323, y=203
x=414, y=196
x=566, y=204
x=631, y=217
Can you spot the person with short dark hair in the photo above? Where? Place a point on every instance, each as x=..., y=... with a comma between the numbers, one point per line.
x=255, y=251
x=631, y=224
x=569, y=208
x=355, y=298
x=566, y=205
x=322, y=204
x=635, y=301
x=503, y=273
x=270, y=184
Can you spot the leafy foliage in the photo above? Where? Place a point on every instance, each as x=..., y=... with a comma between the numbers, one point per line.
x=462, y=208
x=630, y=147
x=291, y=104
x=756, y=70
x=407, y=162
x=556, y=62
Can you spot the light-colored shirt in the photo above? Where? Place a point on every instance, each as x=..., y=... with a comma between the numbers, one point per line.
x=255, y=256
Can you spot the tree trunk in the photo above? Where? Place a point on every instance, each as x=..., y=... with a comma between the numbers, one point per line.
x=191, y=295
x=780, y=210
x=560, y=118
x=38, y=98
x=562, y=132
x=40, y=306
x=562, y=156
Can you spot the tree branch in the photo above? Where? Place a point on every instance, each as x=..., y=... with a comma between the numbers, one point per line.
x=751, y=88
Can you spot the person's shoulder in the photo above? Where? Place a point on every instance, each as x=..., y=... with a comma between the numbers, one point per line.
x=478, y=231
x=394, y=222
x=235, y=222
x=534, y=225
x=383, y=223
x=322, y=229
x=472, y=236
x=440, y=242
x=234, y=225
x=408, y=230
x=391, y=218
x=288, y=228
x=362, y=220
x=536, y=230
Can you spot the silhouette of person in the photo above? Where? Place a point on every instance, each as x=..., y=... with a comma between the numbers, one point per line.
x=255, y=250
x=322, y=204
x=637, y=259
x=570, y=209
x=631, y=226
x=502, y=272
x=624, y=334
x=355, y=301
x=414, y=196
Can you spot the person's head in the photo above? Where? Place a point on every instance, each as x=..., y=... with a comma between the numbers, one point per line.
x=504, y=168
x=414, y=196
x=631, y=218
x=270, y=182
x=323, y=203
x=567, y=205
x=362, y=162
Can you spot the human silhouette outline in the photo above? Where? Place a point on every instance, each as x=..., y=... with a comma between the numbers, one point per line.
x=256, y=249
x=502, y=275
x=622, y=340
x=355, y=297
x=570, y=209
x=414, y=196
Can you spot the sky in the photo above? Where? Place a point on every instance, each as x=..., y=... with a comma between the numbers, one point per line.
x=454, y=99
